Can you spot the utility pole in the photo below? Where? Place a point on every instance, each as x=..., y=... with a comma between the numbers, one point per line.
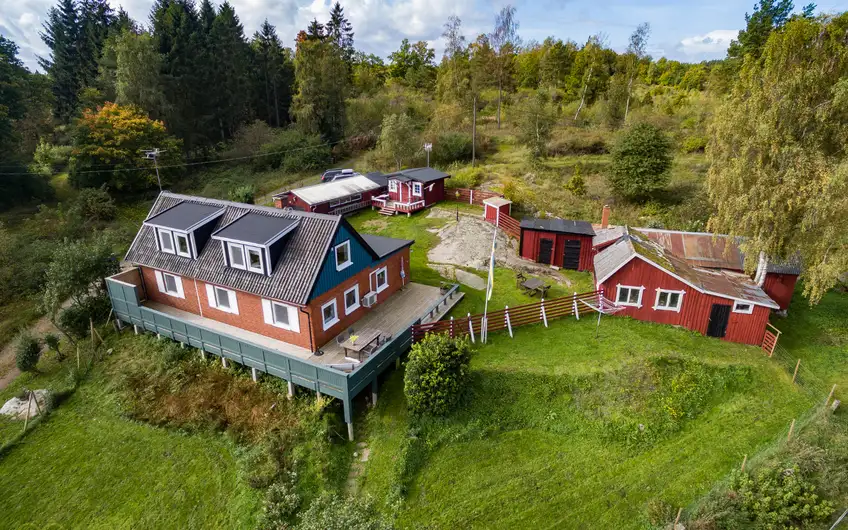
x=153, y=154
x=428, y=148
x=474, y=132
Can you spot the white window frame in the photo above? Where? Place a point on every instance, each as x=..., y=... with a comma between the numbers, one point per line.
x=268, y=310
x=420, y=188
x=355, y=306
x=618, y=289
x=335, y=319
x=177, y=236
x=393, y=186
x=163, y=284
x=212, y=298
x=748, y=311
x=247, y=251
x=231, y=247
x=161, y=234
x=373, y=277
x=670, y=292
x=348, y=262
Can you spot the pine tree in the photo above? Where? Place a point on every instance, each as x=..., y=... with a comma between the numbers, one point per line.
x=315, y=30
x=276, y=75
x=61, y=35
x=339, y=31
x=231, y=70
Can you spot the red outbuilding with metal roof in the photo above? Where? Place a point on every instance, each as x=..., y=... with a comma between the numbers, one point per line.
x=559, y=242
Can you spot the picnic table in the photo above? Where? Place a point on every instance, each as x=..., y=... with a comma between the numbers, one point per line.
x=364, y=338
x=533, y=286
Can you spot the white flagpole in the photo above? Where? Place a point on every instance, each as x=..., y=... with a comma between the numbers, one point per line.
x=490, y=286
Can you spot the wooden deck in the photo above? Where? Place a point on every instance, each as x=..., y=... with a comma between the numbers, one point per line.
x=391, y=317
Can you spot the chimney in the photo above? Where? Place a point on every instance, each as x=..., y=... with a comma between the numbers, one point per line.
x=605, y=216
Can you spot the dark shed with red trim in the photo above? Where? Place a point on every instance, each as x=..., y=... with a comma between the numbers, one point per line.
x=560, y=242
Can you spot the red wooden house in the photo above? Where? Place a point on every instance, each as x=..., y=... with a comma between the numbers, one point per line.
x=337, y=197
x=559, y=242
x=654, y=284
x=411, y=190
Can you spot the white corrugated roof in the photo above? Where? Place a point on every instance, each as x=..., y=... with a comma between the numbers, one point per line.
x=329, y=191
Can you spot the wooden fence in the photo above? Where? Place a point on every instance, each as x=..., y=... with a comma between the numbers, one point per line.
x=509, y=318
x=469, y=196
x=508, y=224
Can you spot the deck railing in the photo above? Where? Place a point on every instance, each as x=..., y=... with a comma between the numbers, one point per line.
x=511, y=317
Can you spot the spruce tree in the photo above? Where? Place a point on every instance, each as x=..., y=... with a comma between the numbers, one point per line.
x=61, y=35
x=274, y=64
x=340, y=31
x=231, y=80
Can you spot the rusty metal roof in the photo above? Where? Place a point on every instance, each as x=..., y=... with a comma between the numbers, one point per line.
x=718, y=282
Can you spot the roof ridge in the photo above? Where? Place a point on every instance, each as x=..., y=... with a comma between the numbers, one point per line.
x=255, y=207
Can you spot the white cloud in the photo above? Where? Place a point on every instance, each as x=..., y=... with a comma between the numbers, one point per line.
x=712, y=44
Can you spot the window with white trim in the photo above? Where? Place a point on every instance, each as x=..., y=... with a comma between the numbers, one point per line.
x=668, y=300
x=254, y=259
x=280, y=315
x=222, y=299
x=170, y=284
x=379, y=280
x=183, y=247
x=393, y=185
x=329, y=314
x=743, y=307
x=343, y=260
x=628, y=295
x=166, y=241
x=236, y=255
x=416, y=189
x=351, y=299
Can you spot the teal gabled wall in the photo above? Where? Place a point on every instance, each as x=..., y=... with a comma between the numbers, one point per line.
x=329, y=276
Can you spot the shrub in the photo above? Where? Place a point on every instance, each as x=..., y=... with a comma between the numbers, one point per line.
x=245, y=194
x=467, y=177
x=27, y=352
x=775, y=497
x=576, y=184
x=694, y=144
x=280, y=505
x=293, y=151
x=49, y=158
x=94, y=204
x=641, y=160
x=249, y=140
x=578, y=142
x=75, y=320
x=451, y=147
x=436, y=374
x=52, y=342
x=331, y=512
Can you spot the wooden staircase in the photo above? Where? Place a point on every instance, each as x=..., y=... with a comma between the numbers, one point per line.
x=388, y=209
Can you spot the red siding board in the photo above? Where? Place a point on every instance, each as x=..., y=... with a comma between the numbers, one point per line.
x=780, y=288
x=694, y=313
x=530, y=241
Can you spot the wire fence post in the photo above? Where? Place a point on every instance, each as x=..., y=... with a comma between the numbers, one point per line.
x=574, y=302
x=744, y=461
x=791, y=428
x=544, y=315
x=797, y=365
x=509, y=324
x=471, y=327
x=832, y=390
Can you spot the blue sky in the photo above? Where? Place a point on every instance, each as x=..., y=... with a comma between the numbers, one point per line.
x=682, y=30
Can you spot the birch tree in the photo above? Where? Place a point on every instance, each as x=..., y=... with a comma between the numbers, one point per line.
x=778, y=162
x=504, y=41
x=592, y=51
x=635, y=53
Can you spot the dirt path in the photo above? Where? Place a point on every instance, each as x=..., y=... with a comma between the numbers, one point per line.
x=7, y=355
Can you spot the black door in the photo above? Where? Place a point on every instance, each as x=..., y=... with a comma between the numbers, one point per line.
x=571, y=258
x=546, y=249
x=719, y=316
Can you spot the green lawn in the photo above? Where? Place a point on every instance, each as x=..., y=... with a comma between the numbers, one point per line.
x=524, y=451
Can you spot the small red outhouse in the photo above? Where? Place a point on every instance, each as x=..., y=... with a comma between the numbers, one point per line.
x=495, y=207
x=559, y=242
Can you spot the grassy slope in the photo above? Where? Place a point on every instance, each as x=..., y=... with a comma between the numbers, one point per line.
x=552, y=470
x=87, y=466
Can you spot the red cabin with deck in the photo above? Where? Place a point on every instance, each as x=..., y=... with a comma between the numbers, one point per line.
x=411, y=190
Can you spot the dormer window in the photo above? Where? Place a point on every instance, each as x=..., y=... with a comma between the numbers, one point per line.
x=254, y=241
x=184, y=229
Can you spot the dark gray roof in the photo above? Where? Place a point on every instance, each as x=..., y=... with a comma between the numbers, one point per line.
x=378, y=178
x=383, y=246
x=184, y=215
x=256, y=228
x=294, y=273
x=418, y=174
x=562, y=226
